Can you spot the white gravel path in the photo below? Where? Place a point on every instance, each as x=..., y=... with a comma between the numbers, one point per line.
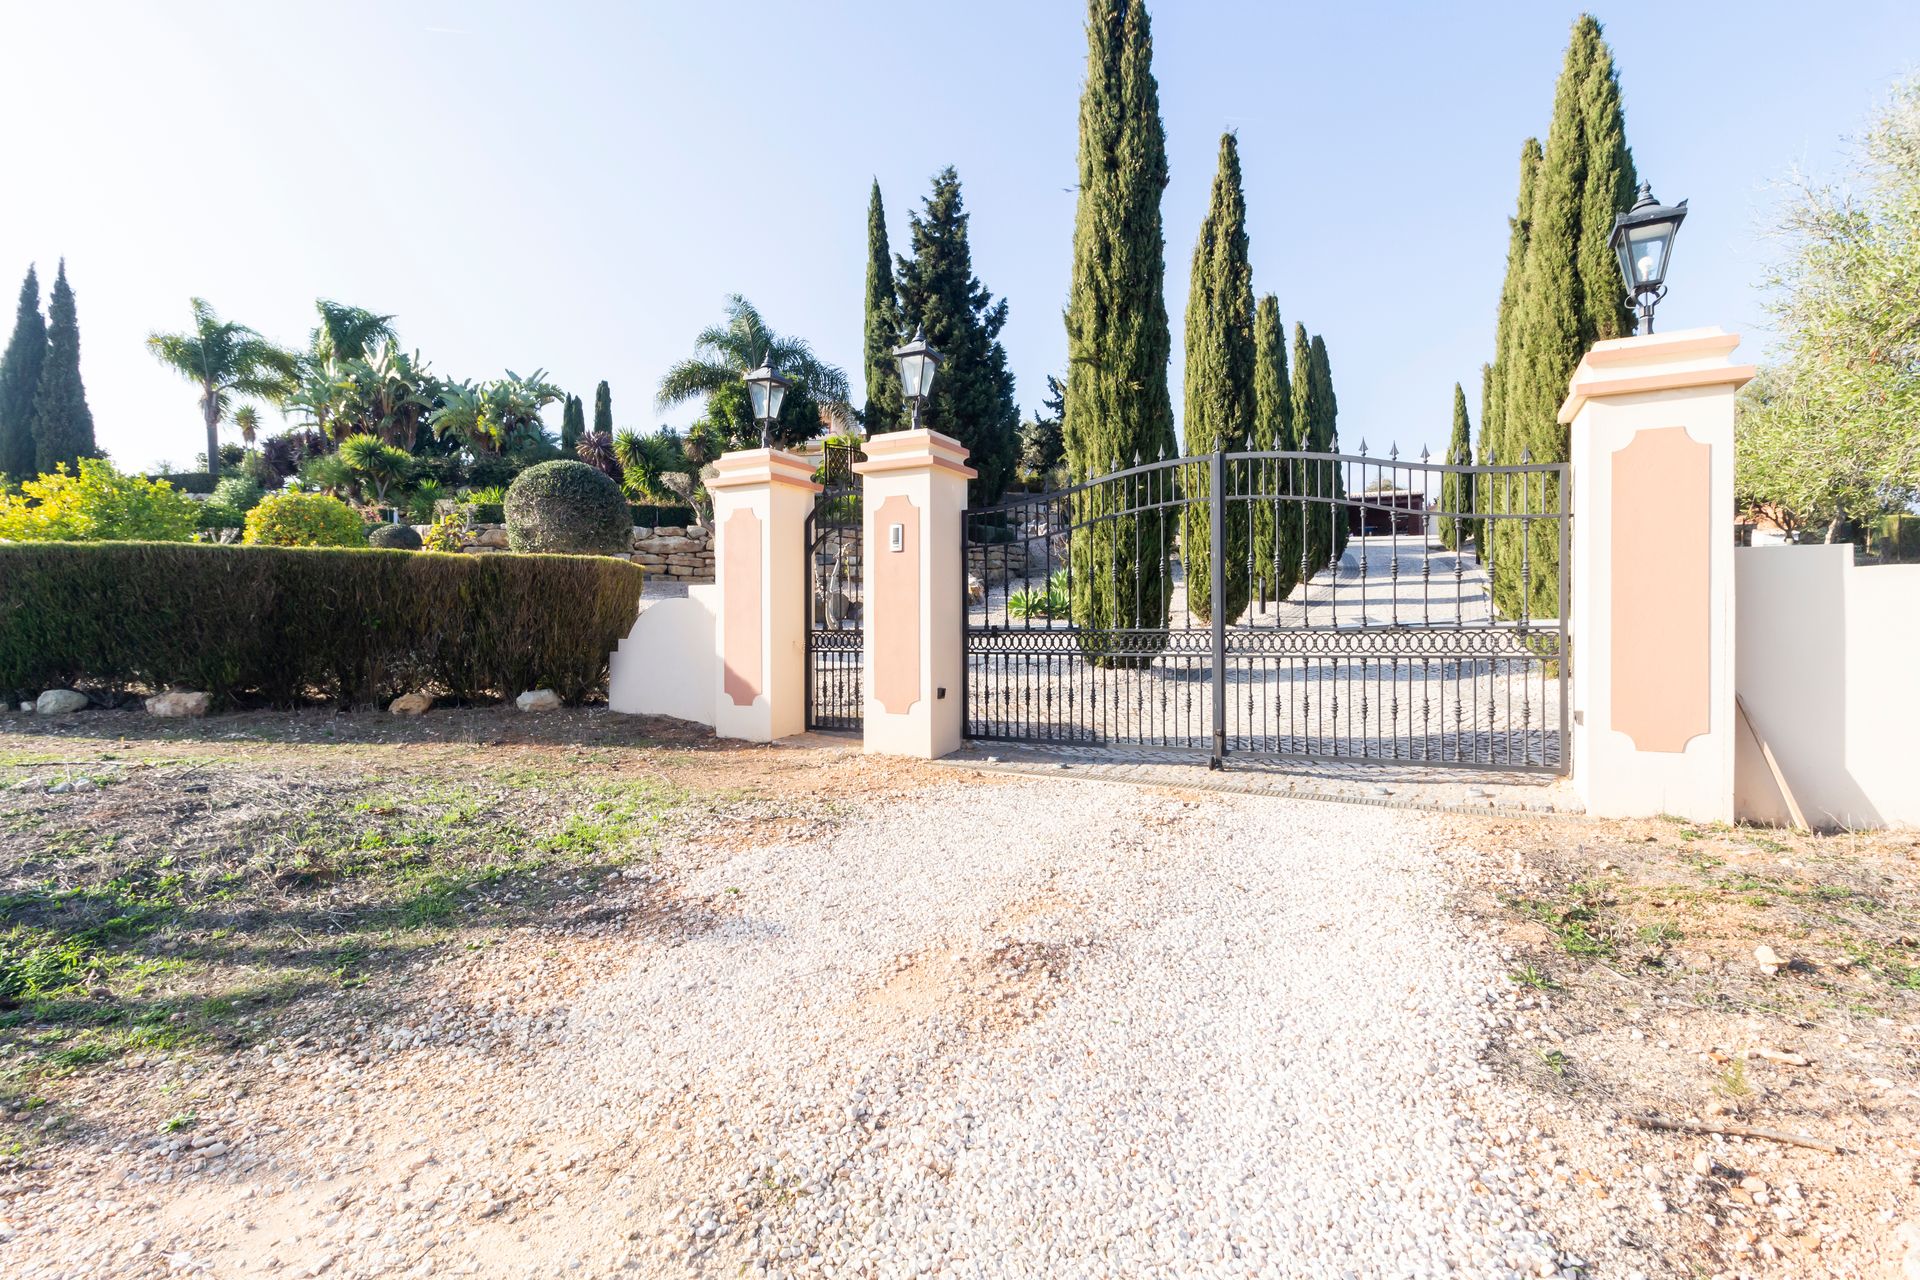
x=1026, y=1028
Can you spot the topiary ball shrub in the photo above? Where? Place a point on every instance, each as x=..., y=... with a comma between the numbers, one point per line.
x=394, y=537
x=304, y=520
x=567, y=508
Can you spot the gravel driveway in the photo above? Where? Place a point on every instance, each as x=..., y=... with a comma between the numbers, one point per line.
x=969, y=1026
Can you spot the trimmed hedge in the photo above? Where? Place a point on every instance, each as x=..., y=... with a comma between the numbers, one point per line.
x=394, y=537
x=567, y=508
x=285, y=624
x=195, y=482
x=294, y=519
x=655, y=517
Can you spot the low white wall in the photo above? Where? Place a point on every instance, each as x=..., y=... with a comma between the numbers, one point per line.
x=665, y=666
x=1826, y=672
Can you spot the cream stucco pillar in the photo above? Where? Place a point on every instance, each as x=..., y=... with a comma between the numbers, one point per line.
x=914, y=496
x=761, y=500
x=1652, y=617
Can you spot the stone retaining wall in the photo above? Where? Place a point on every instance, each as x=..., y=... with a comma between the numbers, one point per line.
x=669, y=551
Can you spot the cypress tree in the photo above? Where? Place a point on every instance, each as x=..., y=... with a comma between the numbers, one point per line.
x=62, y=423
x=1219, y=385
x=1570, y=296
x=19, y=378
x=1476, y=530
x=1456, y=488
x=603, y=410
x=1494, y=424
x=1276, y=520
x=884, y=409
x=1118, y=339
x=972, y=398
x=1314, y=478
x=1328, y=432
x=573, y=425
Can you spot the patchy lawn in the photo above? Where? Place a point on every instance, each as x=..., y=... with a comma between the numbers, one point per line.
x=1704, y=977
x=191, y=891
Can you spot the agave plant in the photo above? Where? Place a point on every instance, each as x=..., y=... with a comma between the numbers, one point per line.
x=1054, y=600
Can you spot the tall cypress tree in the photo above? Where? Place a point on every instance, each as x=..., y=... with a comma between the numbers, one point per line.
x=1314, y=480
x=1494, y=423
x=884, y=409
x=1219, y=385
x=62, y=423
x=603, y=410
x=1456, y=487
x=1328, y=432
x=1118, y=338
x=1570, y=296
x=972, y=398
x=573, y=425
x=19, y=378
x=1276, y=518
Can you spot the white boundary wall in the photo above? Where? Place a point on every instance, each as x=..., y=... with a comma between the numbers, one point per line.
x=666, y=665
x=1829, y=675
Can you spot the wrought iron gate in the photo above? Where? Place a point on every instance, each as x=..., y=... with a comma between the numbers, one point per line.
x=1361, y=618
x=834, y=595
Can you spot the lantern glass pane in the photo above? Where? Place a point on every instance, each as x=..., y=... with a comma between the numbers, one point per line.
x=927, y=369
x=776, y=393
x=1647, y=248
x=910, y=366
x=758, y=390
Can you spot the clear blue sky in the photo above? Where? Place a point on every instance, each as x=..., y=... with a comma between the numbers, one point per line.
x=576, y=187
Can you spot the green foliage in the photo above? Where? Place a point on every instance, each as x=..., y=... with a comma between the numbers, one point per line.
x=233, y=496
x=1118, y=338
x=603, y=408
x=425, y=496
x=1219, y=387
x=972, y=398
x=448, y=533
x=1276, y=524
x=1493, y=401
x=491, y=417
x=573, y=425
x=724, y=352
x=377, y=467
x=885, y=410
x=1828, y=436
x=19, y=378
x=1054, y=600
x=294, y=519
x=1316, y=481
x=567, y=508
x=62, y=423
x=1456, y=488
x=283, y=625
x=94, y=504
x=225, y=361
x=1043, y=442
x=1570, y=296
x=394, y=537
x=1895, y=539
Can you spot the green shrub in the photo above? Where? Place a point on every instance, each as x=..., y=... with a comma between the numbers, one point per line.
x=304, y=520
x=567, y=508
x=196, y=482
x=232, y=498
x=282, y=625
x=1896, y=539
x=655, y=517
x=95, y=504
x=488, y=512
x=448, y=533
x=394, y=537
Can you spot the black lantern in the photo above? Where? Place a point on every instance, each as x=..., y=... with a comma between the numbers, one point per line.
x=1643, y=241
x=767, y=389
x=918, y=363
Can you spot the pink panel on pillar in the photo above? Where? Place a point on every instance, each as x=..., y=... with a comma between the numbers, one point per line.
x=741, y=623
x=1662, y=552
x=896, y=622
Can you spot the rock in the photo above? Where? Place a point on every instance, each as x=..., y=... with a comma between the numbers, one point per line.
x=1767, y=958
x=1703, y=1164
x=26, y=706
x=417, y=703
x=178, y=704
x=58, y=702
x=1782, y=1057
x=976, y=589
x=538, y=700
x=493, y=535
x=670, y=531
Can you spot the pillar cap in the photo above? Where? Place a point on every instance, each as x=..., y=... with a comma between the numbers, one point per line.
x=744, y=468
x=1655, y=362
x=921, y=450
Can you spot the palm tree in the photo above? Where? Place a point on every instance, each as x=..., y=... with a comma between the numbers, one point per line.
x=348, y=333
x=247, y=419
x=224, y=359
x=723, y=352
